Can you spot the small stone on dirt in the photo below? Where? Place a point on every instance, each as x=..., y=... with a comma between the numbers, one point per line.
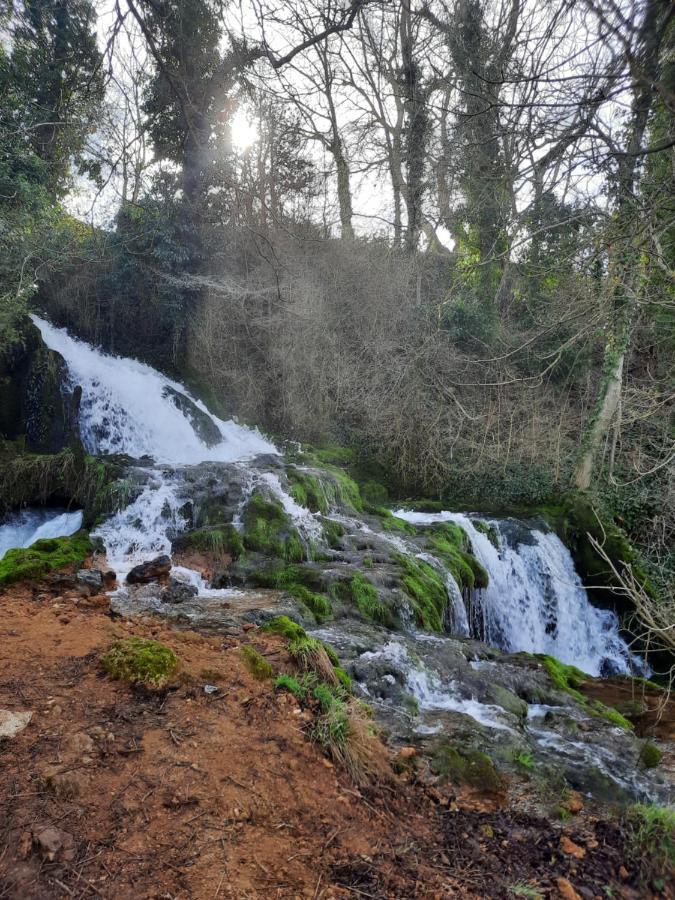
x=11, y=723
x=53, y=842
x=91, y=579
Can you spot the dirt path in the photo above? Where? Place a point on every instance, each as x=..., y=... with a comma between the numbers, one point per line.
x=117, y=793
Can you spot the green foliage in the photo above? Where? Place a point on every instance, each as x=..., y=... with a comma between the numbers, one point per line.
x=296, y=686
x=285, y=627
x=524, y=760
x=139, y=661
x=358, y=591
x=43, y=557
x=374, y=493
x=525, y=890
x=255, y=663
x=303, y=582
x=650, y=842
x=426, y=589
x=463, y=766
x=318, y=604
x=489, y=531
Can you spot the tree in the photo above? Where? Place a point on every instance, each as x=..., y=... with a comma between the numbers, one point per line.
x=57, y=67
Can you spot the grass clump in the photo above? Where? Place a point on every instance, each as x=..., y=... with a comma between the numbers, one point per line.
x=426, y=588
x=650, y=843
x=269, y=530
x=524, y=761
x=569, y=679
x=333, y=533
x=318, y=604
x=256, y=664
x=139, y=661
x=284, y=627
x=307, y=490
x=300, y=581
x=43, y=557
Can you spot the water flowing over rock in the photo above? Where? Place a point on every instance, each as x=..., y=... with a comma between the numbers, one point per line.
x=25, y=528
x=296, y=542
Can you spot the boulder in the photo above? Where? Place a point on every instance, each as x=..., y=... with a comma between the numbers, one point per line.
x=205, y=428
x=90, y=578
x=178, y=591
x=153, y=570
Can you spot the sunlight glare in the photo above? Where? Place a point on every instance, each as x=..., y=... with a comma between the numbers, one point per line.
x=244, y=130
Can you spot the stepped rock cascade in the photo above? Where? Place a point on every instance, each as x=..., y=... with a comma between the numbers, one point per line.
x=535, y=600
x=25, y=528
x=191, y=475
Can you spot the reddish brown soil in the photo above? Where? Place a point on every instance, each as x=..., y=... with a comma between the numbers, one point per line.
x=181, y=794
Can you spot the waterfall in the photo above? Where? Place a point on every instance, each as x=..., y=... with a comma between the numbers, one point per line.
x=129, y=407
x=25, y=528
x=535, y=600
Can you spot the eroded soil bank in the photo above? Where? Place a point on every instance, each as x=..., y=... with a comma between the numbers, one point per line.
x=117, y=792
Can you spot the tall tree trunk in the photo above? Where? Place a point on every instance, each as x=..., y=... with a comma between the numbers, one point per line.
x=344, y=190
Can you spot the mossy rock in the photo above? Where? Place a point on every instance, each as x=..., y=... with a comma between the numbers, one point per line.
x=426, y=589
x=449, y=542
x=268, y=529
x=219, y=541
x=464, y=766
x=359, y=592
x=43, y=557
x=139, y=661
x=509, y=701
x=570, y=679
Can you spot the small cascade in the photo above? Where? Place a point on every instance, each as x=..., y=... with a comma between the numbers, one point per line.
x=457, y=620
x=30, y=525
x=306, y=522
x=535, y=600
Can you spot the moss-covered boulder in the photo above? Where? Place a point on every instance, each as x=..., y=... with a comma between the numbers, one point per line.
x=43, y=557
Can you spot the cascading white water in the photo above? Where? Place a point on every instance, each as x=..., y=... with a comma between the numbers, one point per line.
x=126, y=407
x=535, y=600
x=25, y=528
x=129, y=407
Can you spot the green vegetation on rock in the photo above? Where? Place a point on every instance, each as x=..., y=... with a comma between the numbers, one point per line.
x=219, y=541
x=140, y=661
x=449, y=542
x=570, y=679
x=651, y=756
x=426, y=589
x=269, y=530
x=358, y=591
x=463, y=766
x=649, y=832
x=43, y=557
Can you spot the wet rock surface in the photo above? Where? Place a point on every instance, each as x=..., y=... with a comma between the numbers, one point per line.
x=152, y=570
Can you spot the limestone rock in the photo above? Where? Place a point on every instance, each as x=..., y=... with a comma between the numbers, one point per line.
x=11, y=723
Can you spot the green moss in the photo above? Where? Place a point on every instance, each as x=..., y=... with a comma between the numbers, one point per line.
x=465, y=767
x=344, y=679
x=307, y=490
x=225, y=540
x=256, y=664
x=334, y=454
x=426, y=589
x=333, y=533
x=284, y=576
x=43, y=557
x=358, y=591
x=489, y=531
x=318, y=604
x=285, y=627
x=570, y=679
x=650, y=756
x=139, y=661
x=524, y=761
x=450, y=543
x=269, y=530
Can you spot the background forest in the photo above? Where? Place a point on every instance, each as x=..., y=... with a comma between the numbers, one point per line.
x=439, y=233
